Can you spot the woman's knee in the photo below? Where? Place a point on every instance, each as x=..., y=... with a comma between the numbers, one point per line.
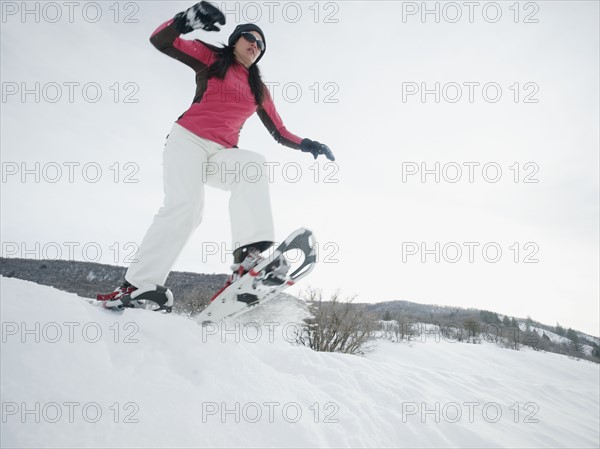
x=238, y=168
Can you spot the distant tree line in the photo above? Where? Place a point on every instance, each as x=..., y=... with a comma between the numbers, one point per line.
x=473, y=326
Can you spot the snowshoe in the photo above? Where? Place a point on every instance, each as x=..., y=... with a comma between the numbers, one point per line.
x=265, y=280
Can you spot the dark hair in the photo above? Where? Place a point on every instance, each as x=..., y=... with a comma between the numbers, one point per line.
x=225, y=58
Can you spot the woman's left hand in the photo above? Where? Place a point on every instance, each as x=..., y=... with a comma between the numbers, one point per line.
x=316, y=148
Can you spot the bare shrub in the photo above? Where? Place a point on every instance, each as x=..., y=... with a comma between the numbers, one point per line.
x=336, y=325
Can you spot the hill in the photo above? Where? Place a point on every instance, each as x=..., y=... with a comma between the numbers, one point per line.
x=75, y=375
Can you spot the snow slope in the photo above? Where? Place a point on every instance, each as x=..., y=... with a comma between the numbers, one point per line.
x=141, y=379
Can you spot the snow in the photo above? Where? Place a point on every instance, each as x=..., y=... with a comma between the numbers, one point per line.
x=244, y=385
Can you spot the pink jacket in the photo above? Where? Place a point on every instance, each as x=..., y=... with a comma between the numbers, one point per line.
x=220, y=107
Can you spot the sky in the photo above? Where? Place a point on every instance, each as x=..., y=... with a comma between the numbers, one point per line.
x=465, y=136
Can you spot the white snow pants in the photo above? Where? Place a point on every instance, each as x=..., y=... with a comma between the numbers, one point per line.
x=189, y=163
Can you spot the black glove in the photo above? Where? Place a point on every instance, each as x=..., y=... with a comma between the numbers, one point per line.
x=201, y=15
x=316, y=148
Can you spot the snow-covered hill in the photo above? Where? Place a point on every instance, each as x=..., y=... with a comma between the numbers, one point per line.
x=75, y=375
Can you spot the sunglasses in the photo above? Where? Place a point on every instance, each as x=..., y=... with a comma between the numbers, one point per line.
x=252, y=38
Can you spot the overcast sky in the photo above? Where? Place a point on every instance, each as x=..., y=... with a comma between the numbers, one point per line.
x=499, y=102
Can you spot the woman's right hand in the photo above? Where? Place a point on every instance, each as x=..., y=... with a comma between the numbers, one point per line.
x=202, y=15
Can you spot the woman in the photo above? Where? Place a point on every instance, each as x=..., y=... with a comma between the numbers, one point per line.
x=202, y=149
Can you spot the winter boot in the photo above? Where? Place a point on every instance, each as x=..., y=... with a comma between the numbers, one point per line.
x=275, y=272
x=125, y=289
x=252, y=257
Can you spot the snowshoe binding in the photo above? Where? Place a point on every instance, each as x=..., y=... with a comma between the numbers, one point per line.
x=154, y=297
